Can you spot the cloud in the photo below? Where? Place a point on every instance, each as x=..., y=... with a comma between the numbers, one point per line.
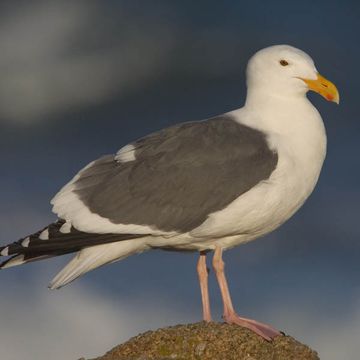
x=59, y=56
x=333, y=335
x=73, y=322
x=78, y=321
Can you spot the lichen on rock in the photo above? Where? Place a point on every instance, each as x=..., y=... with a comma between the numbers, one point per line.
x=208, y=341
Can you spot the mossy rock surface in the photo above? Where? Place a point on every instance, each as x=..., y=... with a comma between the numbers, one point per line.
x=203, y=341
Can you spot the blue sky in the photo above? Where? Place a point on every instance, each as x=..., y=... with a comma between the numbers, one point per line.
x=79, y=80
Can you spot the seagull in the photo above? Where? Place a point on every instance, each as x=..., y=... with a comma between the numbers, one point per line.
x=203, y=186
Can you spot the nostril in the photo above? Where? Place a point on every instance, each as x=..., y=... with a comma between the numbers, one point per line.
x=324, y=85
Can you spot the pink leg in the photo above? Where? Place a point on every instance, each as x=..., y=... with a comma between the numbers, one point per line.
x=230, y=315
x=203, y=279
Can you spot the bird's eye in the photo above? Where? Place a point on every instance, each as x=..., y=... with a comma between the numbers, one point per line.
x=283, y=63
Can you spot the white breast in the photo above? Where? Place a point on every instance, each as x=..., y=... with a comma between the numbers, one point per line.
x=300, y=141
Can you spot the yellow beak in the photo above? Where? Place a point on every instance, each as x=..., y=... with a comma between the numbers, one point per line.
x=324, y=87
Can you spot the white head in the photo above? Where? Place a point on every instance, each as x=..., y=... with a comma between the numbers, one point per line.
x=285, y=71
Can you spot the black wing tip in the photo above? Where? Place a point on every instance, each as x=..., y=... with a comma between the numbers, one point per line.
x=55, y=243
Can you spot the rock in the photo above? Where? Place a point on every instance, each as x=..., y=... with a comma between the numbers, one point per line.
x=205, y=341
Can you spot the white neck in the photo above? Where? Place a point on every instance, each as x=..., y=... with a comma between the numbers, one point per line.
x=268, y=97
x=291, y=114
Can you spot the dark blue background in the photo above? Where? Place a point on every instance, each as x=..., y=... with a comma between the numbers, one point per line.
x=79, y=80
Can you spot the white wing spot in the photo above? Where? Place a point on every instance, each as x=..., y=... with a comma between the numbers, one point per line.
x=44, y=235
x=66, y=227
x=25, y=242
x=126, y=153
x=5, y=251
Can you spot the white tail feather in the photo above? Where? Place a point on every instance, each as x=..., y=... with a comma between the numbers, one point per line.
x=92, y=257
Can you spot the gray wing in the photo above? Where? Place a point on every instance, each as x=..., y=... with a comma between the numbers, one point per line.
x=179, y=175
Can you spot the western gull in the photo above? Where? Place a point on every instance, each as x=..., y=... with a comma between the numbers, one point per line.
x=201, y=186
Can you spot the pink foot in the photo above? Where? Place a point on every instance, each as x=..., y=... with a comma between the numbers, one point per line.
x=263, y=330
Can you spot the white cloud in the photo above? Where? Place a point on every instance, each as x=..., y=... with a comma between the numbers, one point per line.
x=339, y=339
x=333, y=335
x=74, y=322
x=47, y=68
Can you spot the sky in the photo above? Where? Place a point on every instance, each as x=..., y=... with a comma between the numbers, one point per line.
x=82, y=79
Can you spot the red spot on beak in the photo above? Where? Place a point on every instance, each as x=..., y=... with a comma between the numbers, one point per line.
x=329, y=97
